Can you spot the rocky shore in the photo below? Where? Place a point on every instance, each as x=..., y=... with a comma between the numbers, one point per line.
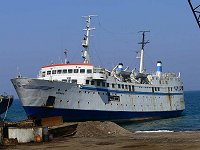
x=108, y=135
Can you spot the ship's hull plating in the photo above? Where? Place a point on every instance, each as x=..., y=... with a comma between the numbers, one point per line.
x=42, y=98
x=85, y=115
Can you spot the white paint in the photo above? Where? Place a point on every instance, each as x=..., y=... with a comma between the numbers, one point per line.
x=24, y=135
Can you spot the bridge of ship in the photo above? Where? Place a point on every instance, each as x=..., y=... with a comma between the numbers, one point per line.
x=73, y=73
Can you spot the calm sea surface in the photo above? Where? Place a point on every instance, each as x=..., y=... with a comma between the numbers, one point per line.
x=190, y=120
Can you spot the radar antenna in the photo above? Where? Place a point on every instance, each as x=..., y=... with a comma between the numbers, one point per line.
x=143, y=43
x=196, y=12
x=85, y=41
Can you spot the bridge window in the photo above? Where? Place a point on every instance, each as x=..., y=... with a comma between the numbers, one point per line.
x=122, y=86
x=48, y=72
x=64, y=70
x=59, y=71
x=82, y=70
x=89, y=70
x=75, y=70
x=103, y=84
x=43, y=74
x=53, y=71
x=70, y=70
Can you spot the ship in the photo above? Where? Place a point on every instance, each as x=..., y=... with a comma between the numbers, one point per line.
x=84, y=91
x=5, y=102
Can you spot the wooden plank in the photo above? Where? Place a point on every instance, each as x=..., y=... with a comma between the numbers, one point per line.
x=52, y=121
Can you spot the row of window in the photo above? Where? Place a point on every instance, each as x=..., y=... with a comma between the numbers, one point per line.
x=164, y=81
x=104, y=84
x=156, y=89
x=64, y=71
x=178, y=88
x=124, y=86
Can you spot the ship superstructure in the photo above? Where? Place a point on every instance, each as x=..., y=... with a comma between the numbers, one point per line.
x=83, y=91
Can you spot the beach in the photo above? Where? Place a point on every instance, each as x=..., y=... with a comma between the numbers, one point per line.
x=147, y=141
x=108, y=135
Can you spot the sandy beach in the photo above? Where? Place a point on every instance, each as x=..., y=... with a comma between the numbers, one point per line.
x=108, y=135
x=147, y=141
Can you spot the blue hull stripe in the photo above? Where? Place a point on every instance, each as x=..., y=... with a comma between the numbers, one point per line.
x=128, y=92
x=84, y=115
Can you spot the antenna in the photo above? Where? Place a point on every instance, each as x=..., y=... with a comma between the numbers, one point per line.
x=143, y=43
x=65, y=53
x=85, y=41
x=18, y=73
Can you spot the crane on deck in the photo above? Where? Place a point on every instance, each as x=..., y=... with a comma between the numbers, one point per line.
x=196, y=11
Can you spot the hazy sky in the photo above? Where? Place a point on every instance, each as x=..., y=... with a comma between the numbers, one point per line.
x=35, y=33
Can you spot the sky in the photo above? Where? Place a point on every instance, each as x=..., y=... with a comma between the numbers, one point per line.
x=34, y=33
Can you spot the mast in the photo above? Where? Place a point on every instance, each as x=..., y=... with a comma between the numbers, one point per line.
x=143, y=43
x=65, y=53
x=85, y=41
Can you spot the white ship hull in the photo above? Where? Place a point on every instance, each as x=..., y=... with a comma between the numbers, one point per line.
x=43, y=98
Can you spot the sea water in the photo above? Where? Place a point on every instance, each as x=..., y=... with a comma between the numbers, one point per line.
x=189, y=121
x=14, y=113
